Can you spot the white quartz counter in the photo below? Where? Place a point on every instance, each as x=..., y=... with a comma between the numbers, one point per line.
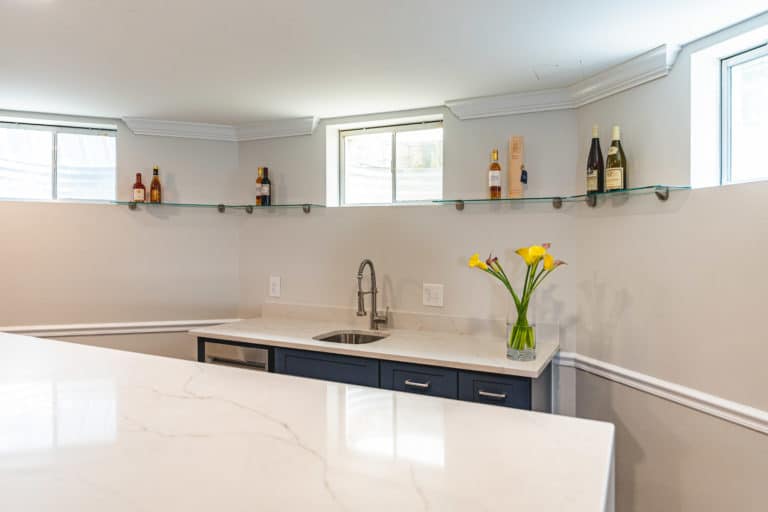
x=89, y=429
x=484, y=354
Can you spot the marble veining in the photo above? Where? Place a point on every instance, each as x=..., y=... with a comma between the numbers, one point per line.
x=92, y=429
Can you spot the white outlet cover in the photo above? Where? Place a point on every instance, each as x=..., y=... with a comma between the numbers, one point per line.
x=432, y=295
x=274, y=286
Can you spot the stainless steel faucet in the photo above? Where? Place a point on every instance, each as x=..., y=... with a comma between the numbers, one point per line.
x=376, y=318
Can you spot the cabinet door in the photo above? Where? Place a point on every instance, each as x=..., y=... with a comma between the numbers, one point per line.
x=495, y=389
x=333, y=367
x=414, y=378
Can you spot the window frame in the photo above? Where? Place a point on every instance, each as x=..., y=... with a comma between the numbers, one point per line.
x=394, y=129
x=55, y=130
x=726, y=103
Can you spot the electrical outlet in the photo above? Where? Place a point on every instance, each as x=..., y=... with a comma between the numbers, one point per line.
x=274, y=286
x=432, y=295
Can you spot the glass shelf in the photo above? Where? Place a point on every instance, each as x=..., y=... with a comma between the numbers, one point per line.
x=249, y=208
x=661, y=192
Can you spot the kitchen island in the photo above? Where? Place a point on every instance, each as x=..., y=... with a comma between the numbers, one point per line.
x=93, y=429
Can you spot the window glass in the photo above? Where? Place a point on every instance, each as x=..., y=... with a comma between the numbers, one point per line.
x=26, y=163
x=367, y=168
x=749, y=120
x=372, y=173
x=419, y=172
x=85, y=166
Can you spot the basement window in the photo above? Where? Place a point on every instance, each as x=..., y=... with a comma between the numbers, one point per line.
x=395, y=164
x=45, y=162
x=744, y=121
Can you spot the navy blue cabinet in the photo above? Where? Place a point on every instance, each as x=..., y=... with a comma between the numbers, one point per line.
x=415, y=378
x=333, y=367
x=488, y=388
x=495, y=389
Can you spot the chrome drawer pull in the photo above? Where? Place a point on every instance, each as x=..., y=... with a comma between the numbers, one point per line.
x=420, y=385
x=495, y=396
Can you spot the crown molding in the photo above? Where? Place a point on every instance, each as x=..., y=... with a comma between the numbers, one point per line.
x=160, y=128
x=222, y=132
x=728, y=410
x=276, y=128
x=639, y=70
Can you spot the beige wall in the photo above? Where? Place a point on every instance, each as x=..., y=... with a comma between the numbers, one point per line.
x=670, y=458
x=178, y=345
x=76, y=263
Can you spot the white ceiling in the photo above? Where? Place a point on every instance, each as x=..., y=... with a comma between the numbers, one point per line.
x=237, y=61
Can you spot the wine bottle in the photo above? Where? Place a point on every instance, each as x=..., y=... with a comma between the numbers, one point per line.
x=494, y=176
x=155, y=194
x=595, y=168
x=139, y=191
x=266, y=189
x=259, y=180
x=615, y=164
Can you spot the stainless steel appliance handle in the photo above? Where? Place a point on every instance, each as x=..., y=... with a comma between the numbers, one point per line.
x=420, y=385
x=237, y=363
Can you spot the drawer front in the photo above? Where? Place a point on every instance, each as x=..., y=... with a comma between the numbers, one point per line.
x=414, y=378
x=333, y=367
x=495, y=389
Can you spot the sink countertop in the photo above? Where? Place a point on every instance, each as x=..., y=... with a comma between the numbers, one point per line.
x=461, y=351
x=87, y=429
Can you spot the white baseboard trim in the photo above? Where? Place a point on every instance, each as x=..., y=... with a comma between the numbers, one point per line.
x=65, y=330
x=734, y=412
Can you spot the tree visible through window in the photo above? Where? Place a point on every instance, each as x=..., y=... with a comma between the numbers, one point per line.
x=393, y=164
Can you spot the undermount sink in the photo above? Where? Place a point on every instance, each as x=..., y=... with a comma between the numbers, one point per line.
x=351, y=337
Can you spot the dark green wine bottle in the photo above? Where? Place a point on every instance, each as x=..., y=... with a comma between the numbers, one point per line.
x=595, y=170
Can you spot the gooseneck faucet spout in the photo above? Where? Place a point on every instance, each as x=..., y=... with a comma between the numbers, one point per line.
x=376, y=318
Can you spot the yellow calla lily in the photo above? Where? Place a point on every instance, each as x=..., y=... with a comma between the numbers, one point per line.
x=549, y=262
x=476, y=262
x=532, y=254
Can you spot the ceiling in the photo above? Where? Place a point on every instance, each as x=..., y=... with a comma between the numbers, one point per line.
x=239, y=61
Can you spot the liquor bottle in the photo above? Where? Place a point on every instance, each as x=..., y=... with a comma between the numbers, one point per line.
x=494, y=176
x=266, y=189
x=139, y=191
x=595, y=168
x=155, y=194
x=259, y=180
x=615, y=164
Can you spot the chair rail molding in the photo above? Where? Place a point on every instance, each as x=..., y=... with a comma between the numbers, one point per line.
x=728, y=410
x=103, y=329
x=270, y=129
x=644, y=68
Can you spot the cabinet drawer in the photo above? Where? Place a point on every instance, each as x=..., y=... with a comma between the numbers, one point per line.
x=414, y=378
x=495, y=389
x=333, y=367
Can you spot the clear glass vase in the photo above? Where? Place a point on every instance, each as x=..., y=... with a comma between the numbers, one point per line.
x=521, y=340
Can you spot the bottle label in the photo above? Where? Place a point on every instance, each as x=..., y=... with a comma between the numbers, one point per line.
x=613, y=150
x=138, y=194
x=259, y=189
x=265, y=190
x=494, y=178
x=591, y=181
x=614, y=178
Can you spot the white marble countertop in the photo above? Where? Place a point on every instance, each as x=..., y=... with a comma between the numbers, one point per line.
x=484, y=354
x=90, y=429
